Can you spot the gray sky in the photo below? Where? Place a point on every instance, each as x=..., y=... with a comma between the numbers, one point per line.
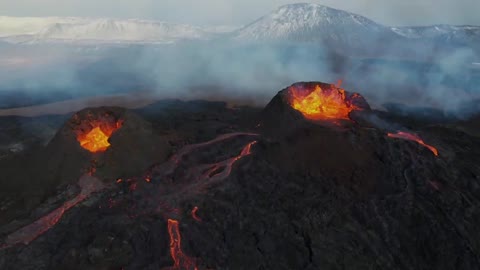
x=239, y=12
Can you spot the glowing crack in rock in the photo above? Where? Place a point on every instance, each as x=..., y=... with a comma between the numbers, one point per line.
x=180, y=260
x=27, y=234
x=194, y=214
x=412, y=137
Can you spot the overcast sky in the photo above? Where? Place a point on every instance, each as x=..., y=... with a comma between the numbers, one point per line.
x=239, y=12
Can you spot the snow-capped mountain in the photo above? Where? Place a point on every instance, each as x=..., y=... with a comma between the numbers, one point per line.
x=18, y=26
x=313, y=22
x=33, y=30
x=293, y=23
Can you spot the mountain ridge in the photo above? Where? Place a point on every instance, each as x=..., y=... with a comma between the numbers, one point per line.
x=299, y=22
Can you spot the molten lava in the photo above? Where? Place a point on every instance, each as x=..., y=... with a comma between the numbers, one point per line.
x=412, y=137
x=221, y=170
x=27, y=234
x=321, y=104
x=96, y=140
x=180, y=260
x=194, y=214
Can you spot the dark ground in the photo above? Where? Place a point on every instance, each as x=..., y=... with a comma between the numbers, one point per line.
x=308, y=197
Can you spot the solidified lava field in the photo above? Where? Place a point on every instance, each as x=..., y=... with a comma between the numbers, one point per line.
x=202, y=185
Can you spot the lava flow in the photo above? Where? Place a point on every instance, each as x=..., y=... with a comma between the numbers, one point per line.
x=180, y=259
x=412, y=137
x=200, y=177
x=170, y=166
x=321, y=104
x=96, y=139
x=194, y=214
x=30, y=232
x=222, y=169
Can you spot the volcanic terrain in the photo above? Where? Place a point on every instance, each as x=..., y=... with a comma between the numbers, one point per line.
x=316, y=179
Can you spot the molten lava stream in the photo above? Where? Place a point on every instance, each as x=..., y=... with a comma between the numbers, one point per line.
x=180, y=260
x=194, y=214
x=168, y=167
x=321, y=104
x=30, y=232
x=215, y=173
x=412, y=137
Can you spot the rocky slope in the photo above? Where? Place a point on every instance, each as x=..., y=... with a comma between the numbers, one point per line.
x=239, y=194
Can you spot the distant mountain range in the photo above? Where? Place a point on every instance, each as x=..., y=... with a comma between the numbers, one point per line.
x=454, y=34
x=58, y=29
x=294, y=23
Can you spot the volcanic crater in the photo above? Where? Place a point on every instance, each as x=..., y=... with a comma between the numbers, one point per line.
x=312, y=181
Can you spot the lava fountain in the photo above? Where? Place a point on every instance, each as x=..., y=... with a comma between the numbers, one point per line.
x=412, y=137
x=317, y=103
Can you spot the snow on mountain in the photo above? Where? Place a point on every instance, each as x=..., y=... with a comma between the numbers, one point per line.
x=289, y=23
x=17, y=26
x=220, y=28
x=436, y=30
x=458, y=34
x=33, y=30
x=312, y=22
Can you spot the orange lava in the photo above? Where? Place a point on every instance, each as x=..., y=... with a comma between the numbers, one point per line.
x=96, y=140
x=194, y=214
x=180, y=260
x=222, y=169
x=247, y=150
x=321, y=104
x=30, y=232
x=412, y=137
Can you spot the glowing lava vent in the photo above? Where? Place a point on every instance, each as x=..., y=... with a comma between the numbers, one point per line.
x=96, y=138
x=316, y=102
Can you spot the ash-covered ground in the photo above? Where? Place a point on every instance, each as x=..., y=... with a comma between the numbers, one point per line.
x=241, y=188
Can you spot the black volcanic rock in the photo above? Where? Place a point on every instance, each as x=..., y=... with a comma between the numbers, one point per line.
x=317, y=197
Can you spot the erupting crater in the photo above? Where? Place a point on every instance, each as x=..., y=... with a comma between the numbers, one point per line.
x=304, y=103
x=108, y=142
x=322, y=102
x=94, y=134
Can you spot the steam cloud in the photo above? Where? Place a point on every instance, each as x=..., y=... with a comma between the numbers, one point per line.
x=241, y=72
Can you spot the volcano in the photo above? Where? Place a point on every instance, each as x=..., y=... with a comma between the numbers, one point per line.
x=311, y=102
x=107, y=142
x=314, y=180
